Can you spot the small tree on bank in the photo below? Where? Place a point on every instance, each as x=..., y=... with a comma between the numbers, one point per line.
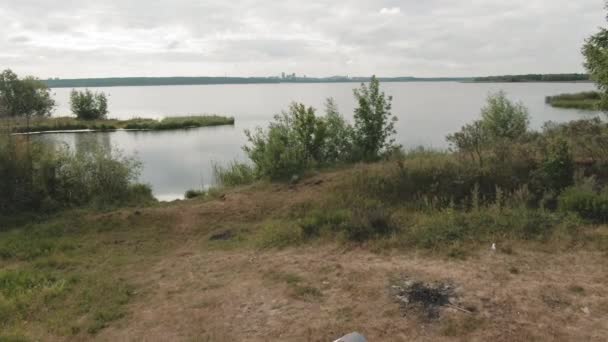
x=374, y=123
x=24, y=97
x=87, y=105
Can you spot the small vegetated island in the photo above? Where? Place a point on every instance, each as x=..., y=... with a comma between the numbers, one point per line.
x=89, y=111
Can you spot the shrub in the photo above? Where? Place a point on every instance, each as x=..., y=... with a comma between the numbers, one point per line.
x=558, y=167
x=587, y=203
x=190, y=194
x=289, y=146
x=504, y=120
x=87, y=105
x=472, y=140
x=298, y=139
x=43, y=177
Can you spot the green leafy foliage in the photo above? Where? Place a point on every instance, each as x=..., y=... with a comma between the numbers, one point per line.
x=293, y=143
x=503, y=119
x=586, y=202
x=472, y=140
x=42, y=177
x=23, y=97
x=87, y=105
x=595, y=51
x=298, y=140
x=374, y=122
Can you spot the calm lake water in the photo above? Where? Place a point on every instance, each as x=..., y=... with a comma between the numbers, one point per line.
x=176, y=161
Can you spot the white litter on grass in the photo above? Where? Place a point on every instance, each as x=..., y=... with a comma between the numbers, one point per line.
x=493, y=247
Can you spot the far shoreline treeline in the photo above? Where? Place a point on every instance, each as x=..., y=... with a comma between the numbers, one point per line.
x=168, y=81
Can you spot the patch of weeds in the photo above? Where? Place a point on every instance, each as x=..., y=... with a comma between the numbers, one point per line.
x=13, y=338
x=283, y=277
x=514, y=270
x=278, y=235
x=33, y=242
x=23, y=290
x=222, y=236
x=55, y=262
x=306, y=293
x=93, y=302
x=577, y=289
x=317, y=221
x=458, y=251
x=554, y=300
x=506, y=249
x=461, y=327
x=297, y=287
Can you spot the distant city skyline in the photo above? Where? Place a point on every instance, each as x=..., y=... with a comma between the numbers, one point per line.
x=317, y=38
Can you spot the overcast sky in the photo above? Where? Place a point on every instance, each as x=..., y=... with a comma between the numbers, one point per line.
x=84, y=38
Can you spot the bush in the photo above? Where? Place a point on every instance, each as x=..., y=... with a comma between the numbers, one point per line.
x=290, y=146
x=190, y=194
x=37, y=177
x=585, y=202
x=299, y=140
x=504, y=120
x=87, y=105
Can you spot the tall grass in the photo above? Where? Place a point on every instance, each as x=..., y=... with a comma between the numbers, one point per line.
x=233, y=174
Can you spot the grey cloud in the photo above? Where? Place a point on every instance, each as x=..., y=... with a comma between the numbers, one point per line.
x=70, y=38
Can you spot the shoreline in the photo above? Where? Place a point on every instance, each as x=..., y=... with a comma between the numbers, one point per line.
x=74, y=125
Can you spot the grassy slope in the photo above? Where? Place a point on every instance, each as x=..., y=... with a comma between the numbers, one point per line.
x=69, y=123
x=153, y=274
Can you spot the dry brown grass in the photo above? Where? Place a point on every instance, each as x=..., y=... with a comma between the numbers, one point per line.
x=194, y=289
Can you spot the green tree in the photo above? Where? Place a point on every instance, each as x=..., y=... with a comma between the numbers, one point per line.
x=504, y=120
x=374, y=122
x=24, y=97
x=338, y=145
x=309, y=130
x=595, y=51
x=87, y=105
